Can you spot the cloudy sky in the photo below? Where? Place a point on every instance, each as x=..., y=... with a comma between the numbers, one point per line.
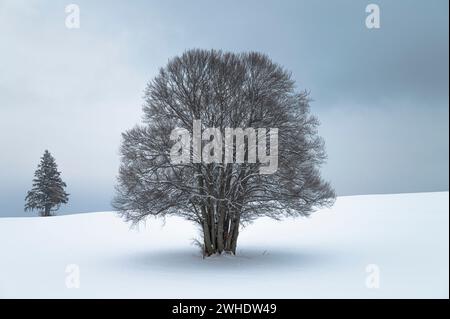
x=381, y=94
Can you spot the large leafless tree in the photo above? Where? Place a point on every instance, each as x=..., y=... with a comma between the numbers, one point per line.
x=223, y=90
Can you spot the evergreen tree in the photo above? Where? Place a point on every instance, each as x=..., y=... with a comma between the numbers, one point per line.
x=47, y=193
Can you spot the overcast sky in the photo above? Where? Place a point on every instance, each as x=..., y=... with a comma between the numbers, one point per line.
x=381, y=94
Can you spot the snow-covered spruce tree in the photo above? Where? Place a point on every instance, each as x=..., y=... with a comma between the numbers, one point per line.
x=47, y=193
x=222, y=90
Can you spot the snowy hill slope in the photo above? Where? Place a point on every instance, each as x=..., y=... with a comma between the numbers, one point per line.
x=406, y=236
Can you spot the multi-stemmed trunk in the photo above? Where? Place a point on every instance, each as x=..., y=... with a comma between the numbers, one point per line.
x=220, y=236
x=220, y=225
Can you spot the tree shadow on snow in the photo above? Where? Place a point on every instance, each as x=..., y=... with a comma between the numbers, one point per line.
x=251, y=258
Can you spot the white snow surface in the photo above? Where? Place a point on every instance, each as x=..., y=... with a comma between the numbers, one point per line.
x=325, y=256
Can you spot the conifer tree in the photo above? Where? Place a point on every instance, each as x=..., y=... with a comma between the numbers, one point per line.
x=47, y=193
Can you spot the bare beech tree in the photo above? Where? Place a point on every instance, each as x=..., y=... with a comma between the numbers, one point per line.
x=223, y=90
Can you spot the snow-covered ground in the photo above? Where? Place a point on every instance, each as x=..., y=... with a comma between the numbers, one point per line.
x=404, y=237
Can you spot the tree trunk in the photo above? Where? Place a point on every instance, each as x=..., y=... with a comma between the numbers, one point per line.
x=232, y=237
x=208, y=247
x=207, y=240
x=46, y=211
x=220, y=230
x=225, y=236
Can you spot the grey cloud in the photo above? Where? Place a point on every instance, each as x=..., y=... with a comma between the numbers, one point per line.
x=381, y=95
